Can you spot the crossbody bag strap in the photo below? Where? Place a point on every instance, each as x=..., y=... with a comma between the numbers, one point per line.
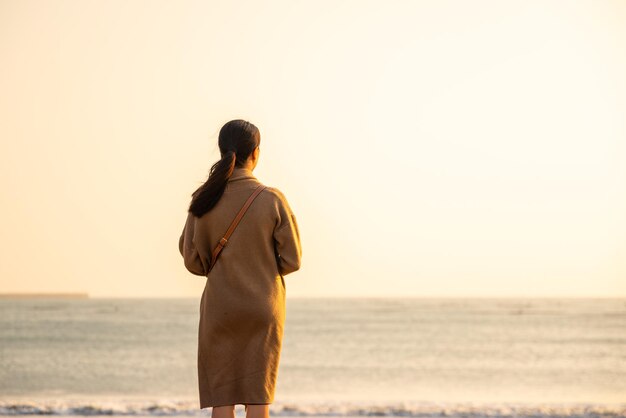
x=233, y=225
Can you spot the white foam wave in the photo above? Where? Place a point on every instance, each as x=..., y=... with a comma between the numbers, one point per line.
x=401, y=409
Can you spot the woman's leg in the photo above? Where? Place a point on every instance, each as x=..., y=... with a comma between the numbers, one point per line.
x=258, y=411
x=226, y=411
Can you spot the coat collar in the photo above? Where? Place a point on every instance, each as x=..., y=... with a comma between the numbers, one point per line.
x=240, y=173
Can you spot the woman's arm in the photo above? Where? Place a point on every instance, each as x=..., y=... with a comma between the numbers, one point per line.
x=188, y=250
x=287, y=240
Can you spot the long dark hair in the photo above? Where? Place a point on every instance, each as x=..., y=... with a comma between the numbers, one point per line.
x=237, y=140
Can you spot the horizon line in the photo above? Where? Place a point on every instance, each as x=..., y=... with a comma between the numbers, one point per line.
x=83, y=295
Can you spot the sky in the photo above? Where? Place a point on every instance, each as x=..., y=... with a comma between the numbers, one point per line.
x=427, y=148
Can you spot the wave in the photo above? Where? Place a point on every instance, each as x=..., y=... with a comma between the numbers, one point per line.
x=338, y=409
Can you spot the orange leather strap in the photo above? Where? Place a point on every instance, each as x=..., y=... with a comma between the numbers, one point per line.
x=233, y=225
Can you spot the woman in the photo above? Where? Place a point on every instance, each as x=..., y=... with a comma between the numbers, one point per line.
x=242, y=310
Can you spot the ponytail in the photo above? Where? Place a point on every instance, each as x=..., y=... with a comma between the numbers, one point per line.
x=237, y=140
x=207, y=195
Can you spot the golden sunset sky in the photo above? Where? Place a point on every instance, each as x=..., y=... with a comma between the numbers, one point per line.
x=427, y=148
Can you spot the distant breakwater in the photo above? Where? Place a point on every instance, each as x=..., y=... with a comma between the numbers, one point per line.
x=44, y=296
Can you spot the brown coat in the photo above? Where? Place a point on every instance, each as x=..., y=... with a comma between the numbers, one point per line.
x=242, y=310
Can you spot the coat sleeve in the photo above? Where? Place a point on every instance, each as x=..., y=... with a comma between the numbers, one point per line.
x=287, y=240
x=188, y=250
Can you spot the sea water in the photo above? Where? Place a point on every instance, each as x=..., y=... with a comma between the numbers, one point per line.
x=341, y=357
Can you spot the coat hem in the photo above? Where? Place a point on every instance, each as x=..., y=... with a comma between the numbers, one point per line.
x=217, y=404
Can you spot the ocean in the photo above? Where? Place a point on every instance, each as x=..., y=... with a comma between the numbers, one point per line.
x=409, y=357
